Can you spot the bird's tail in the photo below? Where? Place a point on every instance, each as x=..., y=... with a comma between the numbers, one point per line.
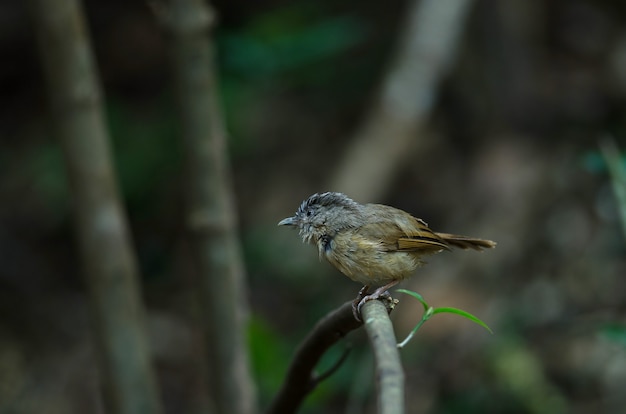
x=464, y=242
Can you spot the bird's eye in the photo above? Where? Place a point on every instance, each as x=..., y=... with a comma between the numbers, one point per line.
x=309, y=213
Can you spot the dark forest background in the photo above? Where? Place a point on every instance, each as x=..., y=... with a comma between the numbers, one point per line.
x=510, y=152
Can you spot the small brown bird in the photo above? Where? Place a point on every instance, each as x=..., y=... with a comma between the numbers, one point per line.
x=372, y=244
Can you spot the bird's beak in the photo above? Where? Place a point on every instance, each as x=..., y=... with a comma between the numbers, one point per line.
x=289, y=221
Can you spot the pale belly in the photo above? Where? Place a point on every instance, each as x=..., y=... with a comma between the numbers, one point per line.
x=368, y=262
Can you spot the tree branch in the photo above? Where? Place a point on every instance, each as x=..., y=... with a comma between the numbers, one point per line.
x=210, y=204
x=110, y=265
x=300, y=380
x=407, y=96
x=389, y=373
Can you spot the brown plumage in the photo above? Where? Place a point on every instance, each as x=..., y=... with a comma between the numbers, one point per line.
x=372, y=244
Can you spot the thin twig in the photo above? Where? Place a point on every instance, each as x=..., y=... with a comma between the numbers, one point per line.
x=300, y=380
x=317, y=379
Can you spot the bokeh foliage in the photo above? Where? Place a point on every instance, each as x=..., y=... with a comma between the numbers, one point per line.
x=513, y=155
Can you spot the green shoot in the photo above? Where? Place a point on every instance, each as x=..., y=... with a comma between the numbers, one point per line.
x=430, y=311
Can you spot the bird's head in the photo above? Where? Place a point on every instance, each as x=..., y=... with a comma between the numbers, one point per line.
x=324, y=215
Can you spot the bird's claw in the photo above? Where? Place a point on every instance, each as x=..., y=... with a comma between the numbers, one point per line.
x=362, y=300
x=355, y=303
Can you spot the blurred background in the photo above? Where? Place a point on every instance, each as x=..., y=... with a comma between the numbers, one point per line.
x=504, y=147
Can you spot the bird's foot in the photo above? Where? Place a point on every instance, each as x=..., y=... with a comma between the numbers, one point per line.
x=362, y=298
x=355, y=304
x=374, y=296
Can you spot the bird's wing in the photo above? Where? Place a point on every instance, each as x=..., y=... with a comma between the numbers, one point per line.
x=420, y=243
x=404, y=232
x=419, y=237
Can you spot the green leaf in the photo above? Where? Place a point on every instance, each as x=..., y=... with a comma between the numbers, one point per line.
x=268, y=47
x=617, y=171
x=464, y=314
x=429, y=312
x=416, y=296
x=616, y=333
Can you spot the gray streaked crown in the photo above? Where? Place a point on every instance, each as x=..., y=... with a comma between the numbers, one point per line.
x=328, y=199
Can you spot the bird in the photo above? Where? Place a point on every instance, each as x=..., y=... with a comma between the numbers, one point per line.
x=373, y=244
